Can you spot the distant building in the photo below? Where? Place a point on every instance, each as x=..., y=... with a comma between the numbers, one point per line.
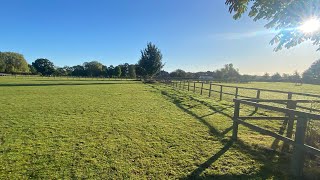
x=206, y=78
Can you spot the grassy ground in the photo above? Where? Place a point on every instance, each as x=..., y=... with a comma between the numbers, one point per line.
x=97, y=129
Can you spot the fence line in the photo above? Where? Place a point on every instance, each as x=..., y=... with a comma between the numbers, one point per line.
x=290, y=111
x=192, y=85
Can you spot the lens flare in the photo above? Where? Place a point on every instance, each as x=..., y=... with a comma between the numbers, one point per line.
x=310, y=26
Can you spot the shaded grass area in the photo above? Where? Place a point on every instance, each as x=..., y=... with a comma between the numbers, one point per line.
x=125, y=129
x=265, y=163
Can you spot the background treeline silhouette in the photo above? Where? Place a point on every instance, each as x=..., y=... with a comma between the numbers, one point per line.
x=14, y=63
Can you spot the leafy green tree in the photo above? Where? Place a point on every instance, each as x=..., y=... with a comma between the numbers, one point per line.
x=285, y=16
x=93, y=68
x=124, y=70
x=266, y=77
x=32, y=69
x=312, y=74
x=179, y=73
x=110, y=71
x=276, y=77
x=132, y=71
x=44, y=66
x=230, y=73
x=11, y=62
x=78, y=70
x=295, y=77
x=117, y=71
x=150, y=61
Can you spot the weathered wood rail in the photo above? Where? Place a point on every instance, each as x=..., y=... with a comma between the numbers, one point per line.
x=199, y=86
x=301, y=118
x=291, y=115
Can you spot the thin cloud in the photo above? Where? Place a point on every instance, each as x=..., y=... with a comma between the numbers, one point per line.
x=244, y=35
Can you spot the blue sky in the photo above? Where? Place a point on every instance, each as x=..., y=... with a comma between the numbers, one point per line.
x=193, y=35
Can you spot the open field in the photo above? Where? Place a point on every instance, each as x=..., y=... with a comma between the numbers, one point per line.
x=107, y=129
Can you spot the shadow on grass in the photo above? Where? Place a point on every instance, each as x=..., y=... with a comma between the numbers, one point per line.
x=83, y=80
x=60, y=84
x=271, y=166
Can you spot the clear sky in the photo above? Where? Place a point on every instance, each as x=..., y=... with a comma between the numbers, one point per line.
x=193, y=35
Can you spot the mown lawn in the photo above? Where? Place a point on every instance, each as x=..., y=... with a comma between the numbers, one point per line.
x=107, y=129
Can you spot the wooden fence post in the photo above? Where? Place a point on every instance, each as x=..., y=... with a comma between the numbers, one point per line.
x=184, y=84
x=237, y=91
x=188, y=85
x=235, y=123
x=298, y=153
x=221, y=92
x=180, y=85
x=258, y=97
x=291, y=105
x=194, y=87
x=210, y=90
x=201, y=88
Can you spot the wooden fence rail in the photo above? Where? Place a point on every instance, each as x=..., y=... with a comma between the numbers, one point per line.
x=290, y=111
x=199, y=86
x=302, y=118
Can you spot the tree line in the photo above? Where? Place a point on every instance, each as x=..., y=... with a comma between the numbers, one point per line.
x=149, y=65
x=231, y=74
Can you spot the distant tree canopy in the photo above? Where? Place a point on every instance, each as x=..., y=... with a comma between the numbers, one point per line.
x=117, y=71
x=11, y=62
x=284, y=16
x=150, y=61
x=178, y=73
x=312, y=75
x=44, y=66
x=93, y=68
x=132, y=71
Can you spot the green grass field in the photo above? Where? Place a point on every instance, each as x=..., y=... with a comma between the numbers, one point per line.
x=108, y=129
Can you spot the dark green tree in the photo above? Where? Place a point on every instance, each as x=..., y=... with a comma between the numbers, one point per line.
x=150, y=61
x=179, y=73
x=11, y=62
x=266, y=77
x=43, y=66
x=312, y=74
x=285, y=16
x=78, y=71
x=117, y=71
x=110, y=71
x=93, y=68
x=276, y=77
x=132, y=71
x=32, y=69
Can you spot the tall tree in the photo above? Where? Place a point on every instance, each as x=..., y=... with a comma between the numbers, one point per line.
x=132, y=71
x=285, y=16
x=93, y=68
x=150, y=61
x=110, y=71
x=78, y=70
x=117, y=71
x=276, y=77
x=312, y=74
x=44, y=66
x=11, y=62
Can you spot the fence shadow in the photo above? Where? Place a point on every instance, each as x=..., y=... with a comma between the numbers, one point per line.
x=267, y=157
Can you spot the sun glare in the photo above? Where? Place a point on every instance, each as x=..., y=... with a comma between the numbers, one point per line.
x=310, y=26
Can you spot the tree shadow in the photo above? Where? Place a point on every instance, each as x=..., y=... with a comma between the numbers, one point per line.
x=273, y=165
x=202, y=167
x=60, y=84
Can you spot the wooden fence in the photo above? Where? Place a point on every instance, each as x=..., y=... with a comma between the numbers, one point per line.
x=199, y=86
x=291, y=114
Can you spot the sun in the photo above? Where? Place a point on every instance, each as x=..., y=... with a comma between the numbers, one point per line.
x=310, y=26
